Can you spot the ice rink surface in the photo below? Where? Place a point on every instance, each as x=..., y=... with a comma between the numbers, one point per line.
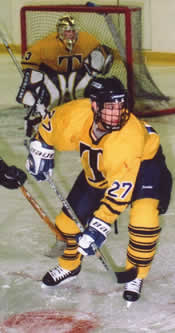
x=92, y=302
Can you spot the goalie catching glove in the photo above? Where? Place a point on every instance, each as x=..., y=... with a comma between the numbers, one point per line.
x=93, y=237
x=40, y=161
x=99, y=61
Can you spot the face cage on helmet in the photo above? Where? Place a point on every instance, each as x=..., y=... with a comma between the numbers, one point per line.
x=69, y=43
x=123, y=117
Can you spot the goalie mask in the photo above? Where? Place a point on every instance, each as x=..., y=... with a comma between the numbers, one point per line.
x=111, y=102
x=67, y=31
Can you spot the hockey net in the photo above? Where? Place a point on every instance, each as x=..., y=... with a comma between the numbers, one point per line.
x=117, y=27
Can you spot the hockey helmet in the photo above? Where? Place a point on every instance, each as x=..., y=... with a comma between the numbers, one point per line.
x=67, y=31
x=111, y=98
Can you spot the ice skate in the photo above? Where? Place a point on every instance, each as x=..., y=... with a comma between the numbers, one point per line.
x=59, y=275
x=132, y=291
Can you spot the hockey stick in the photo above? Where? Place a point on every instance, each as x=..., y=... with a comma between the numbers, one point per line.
x=122, y=276
x=41, y=213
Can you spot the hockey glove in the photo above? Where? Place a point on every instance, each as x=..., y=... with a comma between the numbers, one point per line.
x=40, y=161
x=31, y=87
x=11, y=177
x=93, y=237
x=99, y=61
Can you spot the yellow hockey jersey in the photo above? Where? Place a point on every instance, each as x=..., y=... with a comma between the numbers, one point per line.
x=111, y=163
x=51, y=52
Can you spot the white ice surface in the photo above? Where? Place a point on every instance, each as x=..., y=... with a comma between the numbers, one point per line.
x=25, y=237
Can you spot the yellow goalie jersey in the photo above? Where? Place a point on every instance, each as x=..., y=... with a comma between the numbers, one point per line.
x=52, y=53
x=113, y=162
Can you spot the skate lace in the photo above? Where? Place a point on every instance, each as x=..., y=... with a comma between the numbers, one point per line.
x=134, y=285
x=58, y=273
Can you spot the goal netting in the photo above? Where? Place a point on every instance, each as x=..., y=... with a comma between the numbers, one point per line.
x=117, y=27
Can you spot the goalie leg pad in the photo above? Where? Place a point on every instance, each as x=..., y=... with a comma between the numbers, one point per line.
x=52, y=90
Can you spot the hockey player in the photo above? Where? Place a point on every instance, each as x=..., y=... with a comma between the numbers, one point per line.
x=11, y=177
x=58, y=67
x=123, y=165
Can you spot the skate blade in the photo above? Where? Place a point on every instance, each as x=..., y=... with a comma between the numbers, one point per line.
x=128, y=304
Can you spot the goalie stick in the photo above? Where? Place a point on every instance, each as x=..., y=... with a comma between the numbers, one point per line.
x=122, y=276
x=11, y=53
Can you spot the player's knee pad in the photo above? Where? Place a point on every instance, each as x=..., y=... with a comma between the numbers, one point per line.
x=66, y=225
x=144, y=212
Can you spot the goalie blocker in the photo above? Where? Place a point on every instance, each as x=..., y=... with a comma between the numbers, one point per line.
x=37, y=90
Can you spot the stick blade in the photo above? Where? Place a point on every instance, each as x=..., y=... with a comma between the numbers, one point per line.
x=127, y=275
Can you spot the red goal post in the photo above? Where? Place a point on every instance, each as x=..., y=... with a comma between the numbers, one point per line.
x=117, y=27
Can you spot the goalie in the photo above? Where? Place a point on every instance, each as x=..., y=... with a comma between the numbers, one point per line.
x=58, y=68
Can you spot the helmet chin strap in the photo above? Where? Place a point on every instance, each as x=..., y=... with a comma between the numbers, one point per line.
x=96, y=115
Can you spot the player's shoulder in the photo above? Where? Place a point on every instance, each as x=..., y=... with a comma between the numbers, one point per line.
x=51, y=36
x=135, y=125
x=131, y=134
x=75, y=103
x=78, y=106
x=45, y=40
x=73, y=115
x=84, y=35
